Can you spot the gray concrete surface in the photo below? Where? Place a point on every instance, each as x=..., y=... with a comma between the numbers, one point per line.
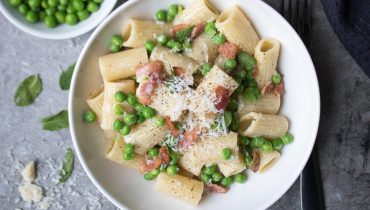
x=343, y=139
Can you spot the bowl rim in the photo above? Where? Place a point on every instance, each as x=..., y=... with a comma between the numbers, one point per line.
x=127, y=4
x=59, y=36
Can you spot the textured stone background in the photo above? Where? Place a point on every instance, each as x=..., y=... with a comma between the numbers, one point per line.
x=343, y=139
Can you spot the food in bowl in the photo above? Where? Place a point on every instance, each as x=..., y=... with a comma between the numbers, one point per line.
x=54, y=12
x=192, y=104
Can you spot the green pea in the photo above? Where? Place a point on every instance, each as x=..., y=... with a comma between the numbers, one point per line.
x=118, y=109
x=89, y=116
x=34, y=3
x=131, y=99
x=162, y=39
x=177, y=47
x=15, y=3
x=148, y=112
x=50, y=21
x=240, y=89
x=160, y=122
x=83, y=15
x=267, y=146
x=219, y=39
x=174, y=158
x=120, y=96
x=139, y=107
x=63, y=2
x=276, y=79
x=258, y=141
x=230, y=64
x=234, y=123
x=42, y=15
x=78, y=5
x=287, y=138
x=170, y=18
x=70, y=9
x=149, y=45
x=170, y=43
x=241, y=74
x=227, y=181
x=153, y=152
x=228, y=117
x=226, y=153
x=155, y=172
x=118, y=125
x=186, y=44
x=140, y=118
x=173, y=10
x=32, y=17
x=60, y=16
x=23, y=9
x=61, y=8
x=149, y=176
x=210, y=29
x=240, y=178
x=217, y=176
x=244, y=140
x=206, y=178
x=205, y=68
x=71, y=19
x=50, y=11
x=130, y=119
x=114, y=48
x=277, y=144
x=53, y=3
x=172, y=170
x=210, y=169
x=128, y=156
x=44, y=4
x=161, y=15
x=92, y=6
x=180, y=8
x=233, y=104
x=98, y=1
x=125, y=130
x=117, y=39
x=129, y=148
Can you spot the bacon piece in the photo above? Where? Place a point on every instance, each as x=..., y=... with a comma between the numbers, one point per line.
x=150, y=71
x=163, y=154
x=145, y=92
x=179, y=71
x=179, y=27
x=279, y=88
x=255, y=164
x=172, y=127
x=190, y=138
x=255, y=72
x=228, y=50
x=197, y=30
x=152, y=165
x=267, y=88
x=222, y=97
x=215, y=188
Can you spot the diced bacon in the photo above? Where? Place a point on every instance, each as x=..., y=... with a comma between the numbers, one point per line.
x=255, y=72
x=172, y=127
x=222, y=97
x=179, y=71
x=228, y=50
x=152, y=165
x=145, y=91
x=267, y=88
x=279, y=88
x=150, y=71
x=179, y=27
x=215, y=188
x=190, y=137
x=255, y=164
x=163, y=154
x=197, y=30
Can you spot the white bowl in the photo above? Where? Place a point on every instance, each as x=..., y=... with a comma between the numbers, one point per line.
x=301, y=105
x=63, y=31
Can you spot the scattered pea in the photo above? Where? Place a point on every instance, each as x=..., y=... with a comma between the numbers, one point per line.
x=219, y=39
x=117, y=40
x=173, y=9
x=230, y=64
x=118, y=109
x=217, y=176
x=83, y=15
x=50, y=21
x=120, y=96
x=125, y=130
x=276, y=79
x=172, y=170
x=210, y=169
x=161, y=15
x=23, y=9
x=226, y=153
x=140, y=118
x=32, y=17
x=129, y=148
x=15, y=3
x=258, y=141
x=131, y=99
x=92, y=6
x=60, y=17
x=148, y=112
x=89, y=116
x=205, y=178
x=153, y=152
x=287, y=138
x=118, y=125
x=71, y=19
x=162, y=39
x=114, y=48
x=240, y=178
x=149, y=45
x=227, y=181
x=277, y=144
x=205, y=68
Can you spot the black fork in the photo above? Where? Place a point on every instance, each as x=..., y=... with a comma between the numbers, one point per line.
x=298, y=14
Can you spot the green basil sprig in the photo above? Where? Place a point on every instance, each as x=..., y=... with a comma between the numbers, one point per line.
x=28, y=90
x=67, y=167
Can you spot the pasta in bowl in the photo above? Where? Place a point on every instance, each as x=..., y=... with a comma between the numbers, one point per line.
x=193, y=101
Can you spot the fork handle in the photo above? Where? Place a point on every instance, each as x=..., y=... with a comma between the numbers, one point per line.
x=312, y=196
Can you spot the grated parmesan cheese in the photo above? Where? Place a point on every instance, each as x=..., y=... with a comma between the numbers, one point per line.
x=30, y=192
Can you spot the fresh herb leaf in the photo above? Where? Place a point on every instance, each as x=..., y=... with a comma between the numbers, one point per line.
x=56, y=122
x=246, y=61
x=183, y=34
x=28, y=90
x=67, y=167
x=65, y=77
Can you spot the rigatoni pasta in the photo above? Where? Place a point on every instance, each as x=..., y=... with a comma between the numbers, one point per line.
x=268, y=104
x=95, y=101
x=197, y=11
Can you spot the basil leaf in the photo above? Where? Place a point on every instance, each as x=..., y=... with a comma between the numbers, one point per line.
x=56, y=122
x=28, y=90
x=183, y=34
x=67, y=167
x=65, y=77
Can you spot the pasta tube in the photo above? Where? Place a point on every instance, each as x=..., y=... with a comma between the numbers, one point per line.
x=180, y=187
x=266, y=125
x=268, y=104
x=237, y=29
x=267, y=160
x=196, y=12
x=95, y=101
x=266, y=54
x=123, y=64
x=203, y=50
